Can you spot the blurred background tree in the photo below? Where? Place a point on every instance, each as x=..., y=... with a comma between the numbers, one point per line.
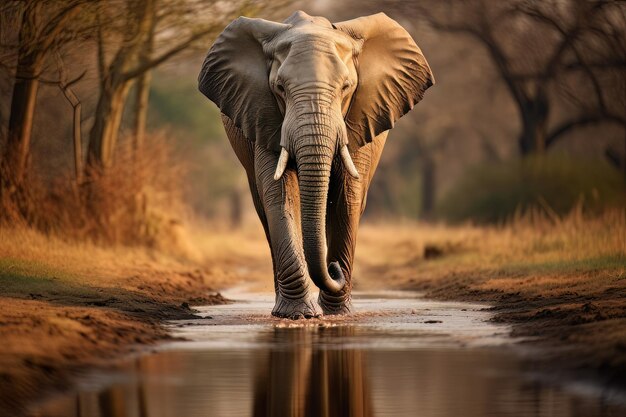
x=547, y=54
x=41, y=29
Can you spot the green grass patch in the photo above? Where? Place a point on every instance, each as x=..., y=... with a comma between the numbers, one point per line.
x=20, y=277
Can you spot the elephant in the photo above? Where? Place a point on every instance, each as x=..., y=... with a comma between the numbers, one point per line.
x=307, y=106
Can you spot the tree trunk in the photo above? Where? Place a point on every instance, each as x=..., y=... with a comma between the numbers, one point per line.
x=428, y=186
x=72, y=98
x=141, y=108
x=236, y=209
x=115, y=85
x=20, y=126
x=104, y=133
x=533, y=137
x=29, y=66
x=534, y=133
x=78, y=144
x=143, y=83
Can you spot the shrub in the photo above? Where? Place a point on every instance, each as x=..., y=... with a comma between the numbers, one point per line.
x=137, y=201
x=552, y=183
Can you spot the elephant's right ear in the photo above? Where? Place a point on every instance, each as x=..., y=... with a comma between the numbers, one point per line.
x=235, y=77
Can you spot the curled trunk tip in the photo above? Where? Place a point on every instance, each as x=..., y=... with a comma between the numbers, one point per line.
x=335, y=272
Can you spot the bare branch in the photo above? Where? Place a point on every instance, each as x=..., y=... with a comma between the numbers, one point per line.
x=58, y=23
x=482, y=33
x=100, y=46
x=583, y=120
x=170, y=53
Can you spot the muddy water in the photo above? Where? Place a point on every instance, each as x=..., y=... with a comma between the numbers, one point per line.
x=400, y=356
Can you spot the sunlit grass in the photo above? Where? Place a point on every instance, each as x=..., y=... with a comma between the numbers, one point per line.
x=531, y=245
x=388, y=254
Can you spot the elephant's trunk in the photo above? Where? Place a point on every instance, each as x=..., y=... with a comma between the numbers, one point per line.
x=315, y=148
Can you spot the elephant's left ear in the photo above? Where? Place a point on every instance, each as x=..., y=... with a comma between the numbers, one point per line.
x=393, y=76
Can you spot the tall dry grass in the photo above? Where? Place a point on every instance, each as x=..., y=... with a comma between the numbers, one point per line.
x=531, y=244
x=136, y=201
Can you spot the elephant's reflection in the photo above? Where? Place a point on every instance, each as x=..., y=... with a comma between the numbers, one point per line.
x=310, y=377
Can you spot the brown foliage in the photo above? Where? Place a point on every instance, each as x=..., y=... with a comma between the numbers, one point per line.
x=137, y=201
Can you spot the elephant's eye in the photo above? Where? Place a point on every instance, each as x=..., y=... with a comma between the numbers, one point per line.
x=280, y=88
x=346, y=86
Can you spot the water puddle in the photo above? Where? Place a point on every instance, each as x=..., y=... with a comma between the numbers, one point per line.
x=400, y=355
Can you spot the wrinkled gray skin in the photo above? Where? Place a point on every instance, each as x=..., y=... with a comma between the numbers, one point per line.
x=306, y=106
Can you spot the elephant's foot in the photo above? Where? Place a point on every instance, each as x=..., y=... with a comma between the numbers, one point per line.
x=297, y=308
x=331, y=304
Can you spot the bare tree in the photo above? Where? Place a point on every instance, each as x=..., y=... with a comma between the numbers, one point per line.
x=41, y=28
x=115, y=78
x=152, y=34
x=66, y=87
x=547, y=53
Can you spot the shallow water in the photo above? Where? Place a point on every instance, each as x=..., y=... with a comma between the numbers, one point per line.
x=400, y=356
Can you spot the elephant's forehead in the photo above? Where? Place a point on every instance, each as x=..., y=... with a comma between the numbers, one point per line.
x=312, y=36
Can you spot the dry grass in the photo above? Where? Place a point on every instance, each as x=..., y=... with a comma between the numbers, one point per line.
x=84, y=261
x=234, y=257
x=535, y=252
x=136, y=201
x=532, y=244
x=220, y=256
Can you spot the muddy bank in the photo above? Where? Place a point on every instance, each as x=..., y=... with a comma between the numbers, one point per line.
x=53, y=323
x=583, y=332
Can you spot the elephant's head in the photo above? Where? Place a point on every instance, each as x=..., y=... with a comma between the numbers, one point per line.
x=311, y=90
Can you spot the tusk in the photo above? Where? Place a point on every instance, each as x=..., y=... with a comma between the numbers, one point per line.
x=282, y=164
x=347, y=161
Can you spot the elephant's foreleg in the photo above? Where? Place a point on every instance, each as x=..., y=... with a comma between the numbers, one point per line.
x=346, y=202
x=282, y=210
x=244, y=149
